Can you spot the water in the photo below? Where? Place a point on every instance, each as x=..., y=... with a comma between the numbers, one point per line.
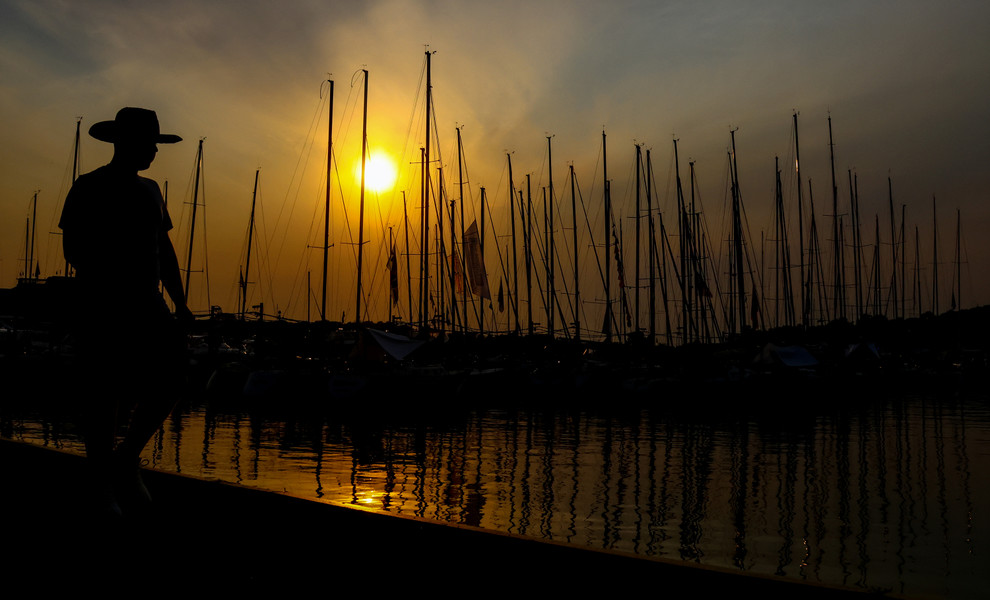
x=883, y=494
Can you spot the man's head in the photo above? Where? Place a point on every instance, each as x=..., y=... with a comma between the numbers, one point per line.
x=135, y=135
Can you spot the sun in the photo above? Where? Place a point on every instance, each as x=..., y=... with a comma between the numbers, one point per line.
x=380, y=172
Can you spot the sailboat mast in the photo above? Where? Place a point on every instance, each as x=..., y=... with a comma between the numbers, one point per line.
x=27, y=247
x=958, y=261
x=783, y=254
x=934, y=258
x=393, y=298
x=75, y=152
x=903, y=263
x=805, y=298
x=453, y=245
x=34, y=227
x=857, y=246
x=662, y=265
x=650, y=244
x=838, y=292
x=424, y=237
x=639, y=167
x=608, y=243
x=876, y=268
x=326, y=210
x=577, y=293
x=405, y=219
x=515, y=258
x=917, y=271
x=247, y=261
x=551, y=249
x=442, y=262
x=364, y=165
x=893, y=248
x=547, y=300
x=815, y=269
x=481, y=300
x=192, y=227
x=75, y=175
x=528, y=238
x=682, y=239
x=698, y=244
x=737, y=235
x=424, y=285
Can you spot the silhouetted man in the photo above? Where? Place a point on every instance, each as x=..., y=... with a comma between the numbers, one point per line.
x=130, y=349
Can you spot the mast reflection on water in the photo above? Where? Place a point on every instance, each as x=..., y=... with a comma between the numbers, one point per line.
x=877, y=494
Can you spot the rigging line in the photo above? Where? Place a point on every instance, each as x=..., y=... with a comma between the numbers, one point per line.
x=303, y=265
x=413, y=121
x=297, y=183
x=541, y=256
x=296, y=179
x=350, y=108
x=594, y=247
x=376, y=267
x=256, y=243
x=382, y=255
x=748, y=252
x=476, y=303
x=706, y=244
x=583, y=315
x=190, y=182
x=53, y=247
x=241, y=274
x=506, y=223
x=191, y=190
x=206, y=255
x=560, y=263
x=265, y=252
x=660, y=253
x=498, y=248
x=619, y=263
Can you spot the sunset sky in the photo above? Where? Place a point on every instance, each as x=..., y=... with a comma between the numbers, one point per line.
x=905, y=82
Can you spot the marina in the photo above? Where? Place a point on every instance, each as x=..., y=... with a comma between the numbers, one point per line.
x=549, y=299
x=871, y=492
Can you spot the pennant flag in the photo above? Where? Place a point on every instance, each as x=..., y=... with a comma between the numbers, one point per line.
x=475, y=262
x=618, y=261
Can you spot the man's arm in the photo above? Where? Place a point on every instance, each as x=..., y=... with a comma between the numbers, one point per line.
x=171, y=278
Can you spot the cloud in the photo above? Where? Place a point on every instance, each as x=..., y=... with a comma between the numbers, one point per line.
x=905, y=83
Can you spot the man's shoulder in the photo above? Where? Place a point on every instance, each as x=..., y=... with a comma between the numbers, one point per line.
x=97, y=178
x=104, y=177
x=97, y=173
x=149, y=183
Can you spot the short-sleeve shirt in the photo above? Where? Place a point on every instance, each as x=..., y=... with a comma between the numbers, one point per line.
x=115, y=223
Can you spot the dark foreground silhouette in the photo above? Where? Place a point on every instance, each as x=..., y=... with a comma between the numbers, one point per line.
x=115, y=235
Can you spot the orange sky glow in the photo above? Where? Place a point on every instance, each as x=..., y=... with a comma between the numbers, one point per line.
x=904, y=83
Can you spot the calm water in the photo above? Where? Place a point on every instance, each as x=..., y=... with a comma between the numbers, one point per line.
x=888, y=493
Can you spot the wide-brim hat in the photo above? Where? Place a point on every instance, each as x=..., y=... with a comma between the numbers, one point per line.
x=132, y=124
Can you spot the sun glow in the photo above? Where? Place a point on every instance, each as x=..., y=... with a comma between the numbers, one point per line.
x=380, y=173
